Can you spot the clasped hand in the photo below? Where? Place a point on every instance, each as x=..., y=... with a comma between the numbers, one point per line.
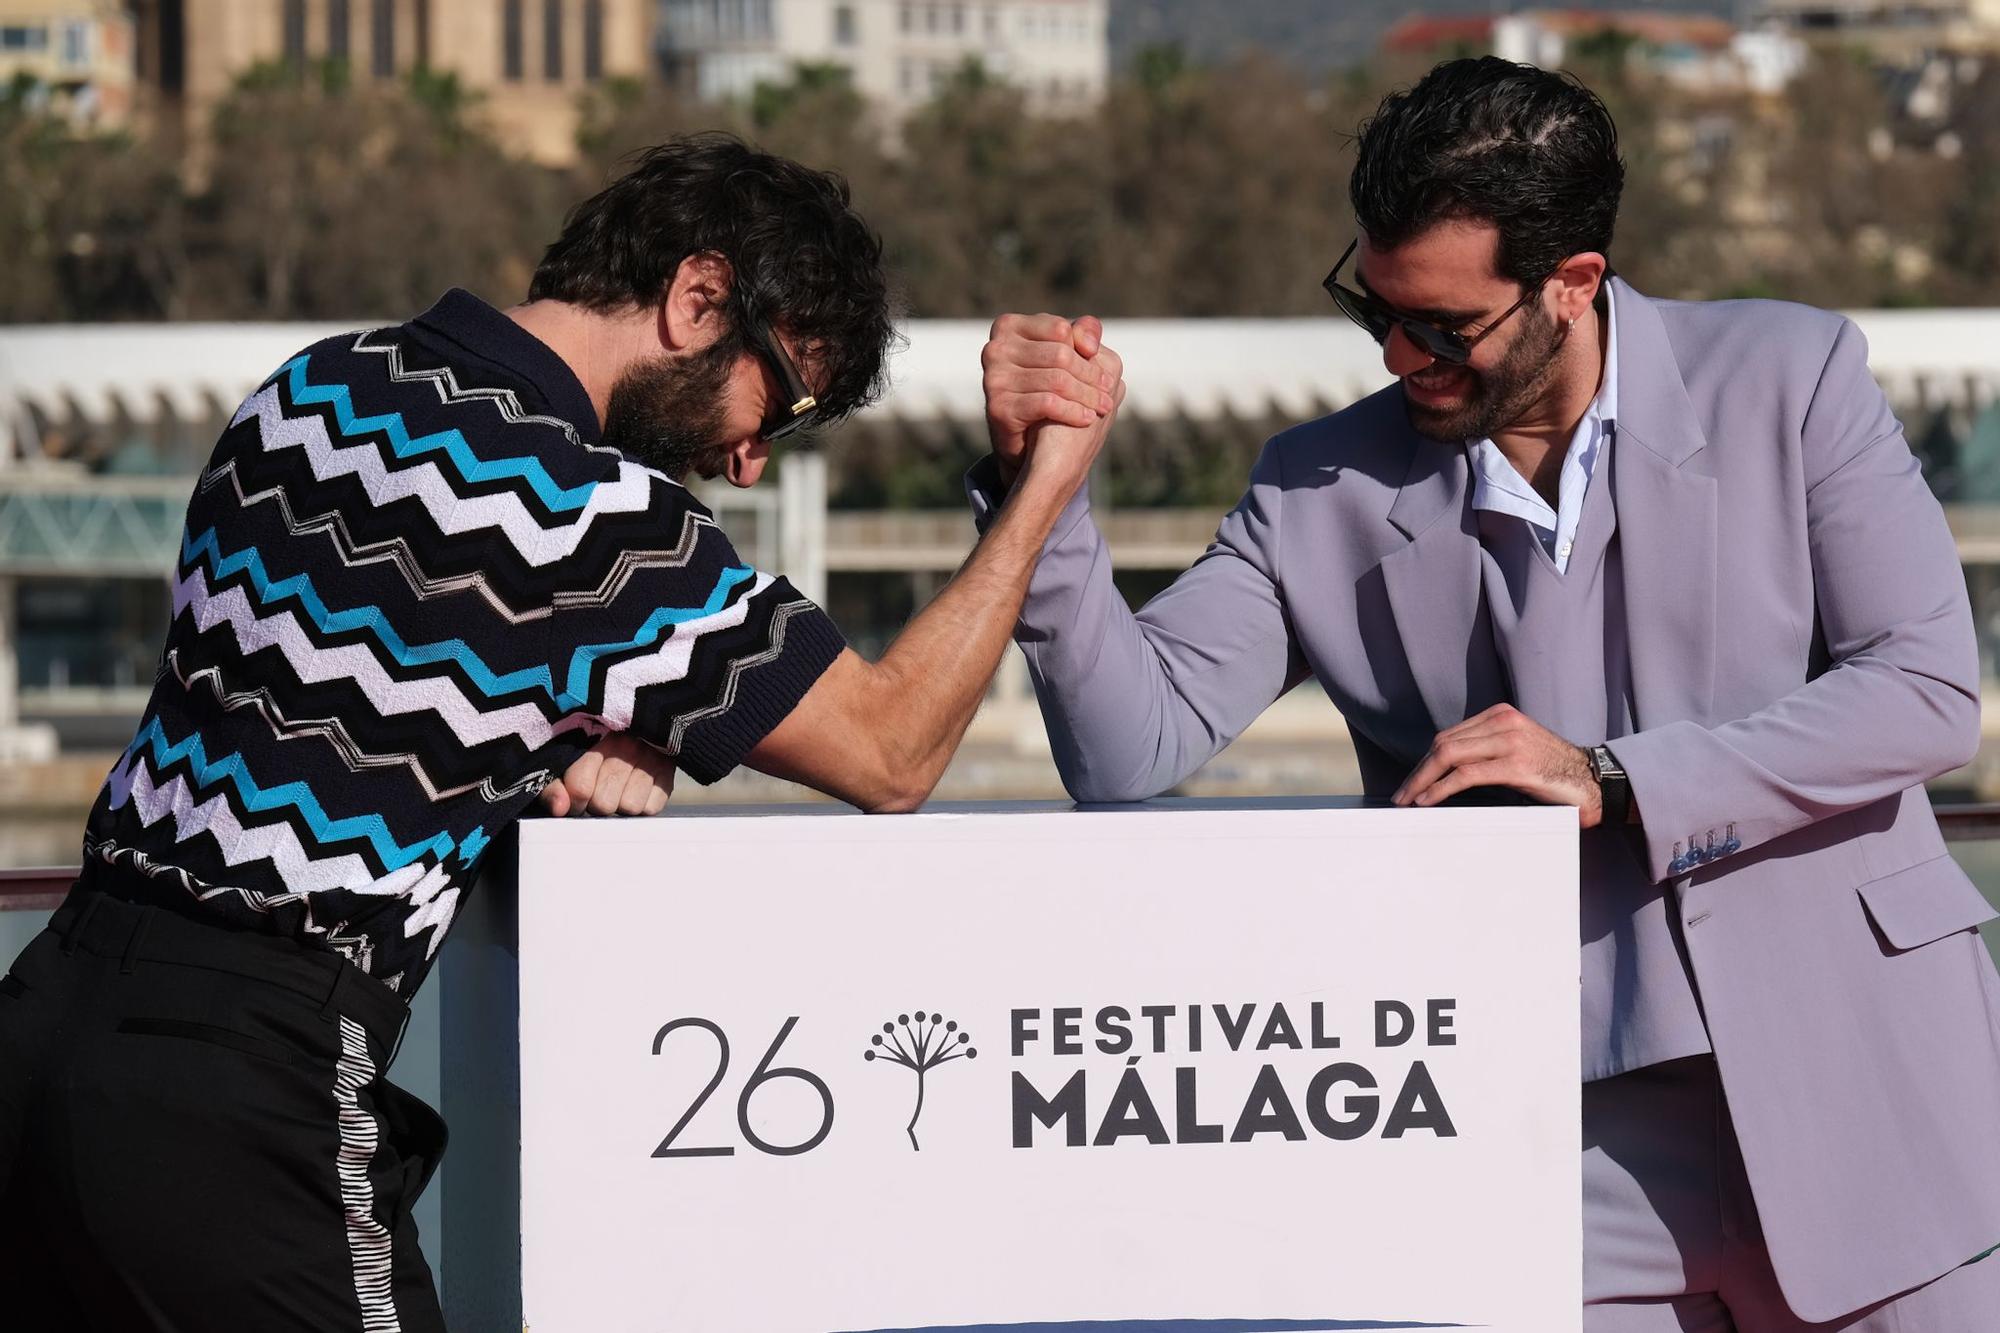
x=1052, y=389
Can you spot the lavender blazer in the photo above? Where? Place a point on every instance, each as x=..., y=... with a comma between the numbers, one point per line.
x=1803, y=661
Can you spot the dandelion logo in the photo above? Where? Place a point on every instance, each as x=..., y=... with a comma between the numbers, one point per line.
x=919, y=1048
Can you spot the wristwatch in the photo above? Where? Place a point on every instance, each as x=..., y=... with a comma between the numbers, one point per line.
x=1612, y=784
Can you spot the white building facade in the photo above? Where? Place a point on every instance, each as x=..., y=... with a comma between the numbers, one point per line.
x=900, y=53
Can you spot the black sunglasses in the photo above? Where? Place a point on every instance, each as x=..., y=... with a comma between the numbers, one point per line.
x=1442, y=344
x=804, y=409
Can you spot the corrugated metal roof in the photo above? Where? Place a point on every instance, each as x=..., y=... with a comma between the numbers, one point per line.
x=1199, y=369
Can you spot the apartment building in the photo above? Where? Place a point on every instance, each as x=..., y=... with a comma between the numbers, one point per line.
x=527, y=59
x=900, y=52
x=72, y=57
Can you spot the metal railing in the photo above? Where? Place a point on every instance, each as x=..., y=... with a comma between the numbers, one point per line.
x=43, y=887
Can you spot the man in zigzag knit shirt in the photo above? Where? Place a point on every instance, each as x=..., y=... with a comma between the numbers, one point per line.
x=433, y=573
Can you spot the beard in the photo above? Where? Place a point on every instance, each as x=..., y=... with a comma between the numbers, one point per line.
x=1486, y=401
x=667, y=413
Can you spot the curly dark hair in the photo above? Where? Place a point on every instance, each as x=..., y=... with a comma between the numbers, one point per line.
x=1533, y=153
x=803, y=258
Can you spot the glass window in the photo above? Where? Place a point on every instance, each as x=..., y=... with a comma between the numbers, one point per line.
x=382, y=38
x=20, y=37
x=423, y=34
x=512, y=62
x=958, y=18
x=76, y=44
x=337, y=19
x=844, y=30
x=552, y=40
x=593, y=39
x=906, y=19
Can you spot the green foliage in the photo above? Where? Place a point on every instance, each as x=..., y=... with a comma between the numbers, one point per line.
x=1192, y=190
x=1608, y=48
x=1158, y=67
x=810, y=85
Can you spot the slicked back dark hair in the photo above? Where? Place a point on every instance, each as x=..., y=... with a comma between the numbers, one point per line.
x=803, y=258
x=1487, y=140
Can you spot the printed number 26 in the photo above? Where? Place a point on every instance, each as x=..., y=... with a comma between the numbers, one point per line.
x=763, y=1074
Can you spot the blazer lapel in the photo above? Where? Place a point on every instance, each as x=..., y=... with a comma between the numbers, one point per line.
x=1666, y=524
x=1433, y=583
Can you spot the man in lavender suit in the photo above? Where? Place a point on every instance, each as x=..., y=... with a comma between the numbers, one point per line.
x=1674, y=565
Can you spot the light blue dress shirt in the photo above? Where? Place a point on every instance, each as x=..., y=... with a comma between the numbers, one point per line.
x=1496, y=485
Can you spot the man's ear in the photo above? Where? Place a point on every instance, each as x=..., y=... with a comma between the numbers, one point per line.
x=1576, y=284
x=692, y=313
x=745, y=462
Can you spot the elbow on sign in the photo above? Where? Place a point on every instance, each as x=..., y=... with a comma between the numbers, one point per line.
x=845, y=739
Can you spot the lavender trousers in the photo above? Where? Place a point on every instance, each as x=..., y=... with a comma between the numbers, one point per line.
x=1672, y=1241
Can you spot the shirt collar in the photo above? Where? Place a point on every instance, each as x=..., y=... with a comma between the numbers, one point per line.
x=1498, y=488
x=1606, y=404
x=488, y=334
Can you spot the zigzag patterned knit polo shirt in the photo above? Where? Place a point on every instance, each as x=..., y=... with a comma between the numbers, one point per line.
x=413, y=587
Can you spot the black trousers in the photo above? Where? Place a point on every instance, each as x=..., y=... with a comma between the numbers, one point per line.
x=195, y=1135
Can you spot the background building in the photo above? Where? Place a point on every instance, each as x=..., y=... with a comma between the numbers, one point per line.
x=1892, y=27
x=75, y=57
x=529, y=60
x=1701, y=53
x=103, y=430
x=899, y=52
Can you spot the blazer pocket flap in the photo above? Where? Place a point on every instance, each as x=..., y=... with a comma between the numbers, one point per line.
x=1925, y=902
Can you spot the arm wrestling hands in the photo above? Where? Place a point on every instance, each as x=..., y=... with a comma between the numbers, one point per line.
x=879, y=734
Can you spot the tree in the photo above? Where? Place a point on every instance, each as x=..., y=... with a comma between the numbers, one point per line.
x=77, y=213
x=329, y=201
x=931, y=1042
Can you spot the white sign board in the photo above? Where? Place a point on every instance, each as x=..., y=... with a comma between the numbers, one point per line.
x=1207, y=1068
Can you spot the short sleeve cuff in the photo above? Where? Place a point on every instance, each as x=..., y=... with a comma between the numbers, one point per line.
x=759, y=691
x=984, y=489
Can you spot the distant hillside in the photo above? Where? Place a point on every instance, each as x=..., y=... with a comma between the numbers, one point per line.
x=1317, y=35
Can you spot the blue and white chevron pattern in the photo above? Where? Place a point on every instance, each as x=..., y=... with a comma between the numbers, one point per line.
x=404, y=603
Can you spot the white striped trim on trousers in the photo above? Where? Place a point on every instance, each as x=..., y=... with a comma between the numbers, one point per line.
x=368, y=1241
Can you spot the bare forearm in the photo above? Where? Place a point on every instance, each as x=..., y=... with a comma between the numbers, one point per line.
x=935, y=673
x=880, y=734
